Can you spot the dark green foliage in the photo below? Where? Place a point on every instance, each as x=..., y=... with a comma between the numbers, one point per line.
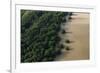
x=68, y=48
x=39, y=35
x=63, y=31
x=61, y=46
x=68, y=41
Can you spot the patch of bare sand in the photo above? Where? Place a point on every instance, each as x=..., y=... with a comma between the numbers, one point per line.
x=79, y=26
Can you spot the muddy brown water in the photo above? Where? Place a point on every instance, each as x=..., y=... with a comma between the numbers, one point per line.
x=79, y=28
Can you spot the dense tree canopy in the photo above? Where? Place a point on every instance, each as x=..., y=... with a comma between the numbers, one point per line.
x=39, y=35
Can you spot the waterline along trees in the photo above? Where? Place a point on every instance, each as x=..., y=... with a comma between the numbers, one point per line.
x=39, y=35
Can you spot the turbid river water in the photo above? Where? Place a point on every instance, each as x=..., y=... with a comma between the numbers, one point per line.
x=79, y=28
